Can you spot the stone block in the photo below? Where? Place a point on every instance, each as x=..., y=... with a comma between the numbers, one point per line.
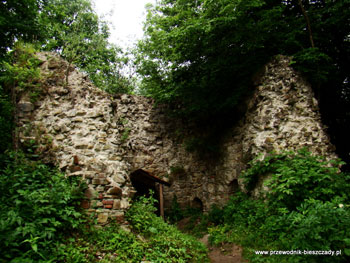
x=118, y=178
x=119, y=217
x=25, y=106
x=211, y=188
x=89, y=175
x=81, y=113
x=82, y=146
x=95, y=181
x=102, y=218
x=108, y=202
x=90, y=193
x=103, y=181
x=75, y=168
x=100, y=188
x=115, y=191
x=59, y=137
x=116, y=204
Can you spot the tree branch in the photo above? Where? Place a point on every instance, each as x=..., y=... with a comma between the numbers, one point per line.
x=307, y=23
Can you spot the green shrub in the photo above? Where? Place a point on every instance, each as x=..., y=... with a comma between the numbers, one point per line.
x=167, y=243
x=294, y=177
x=38, y=207
x=174, y=214
x=6, y=122
x=22, y=73
x=306, y=208
x=318, y=225
x=108, y=244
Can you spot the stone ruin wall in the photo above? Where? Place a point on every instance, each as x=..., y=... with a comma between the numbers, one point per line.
x=104, y=138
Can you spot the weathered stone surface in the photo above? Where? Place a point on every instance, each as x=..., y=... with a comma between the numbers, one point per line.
x=25, y=106
x=115, y=191
x=118, y=178
x=102, y=218
x=112, y=137
x=116, y=204
x=90, y=193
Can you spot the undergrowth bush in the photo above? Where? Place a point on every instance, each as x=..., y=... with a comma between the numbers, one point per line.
x=151, y=240
x=306, y=207
x=22, y=72
x=293, y=177
x=108, y=244
x=167, y=243
x=38, y=208
x=175, y=213
x=6, y=123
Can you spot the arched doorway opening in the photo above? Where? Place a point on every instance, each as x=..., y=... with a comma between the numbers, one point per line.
x=143, y=182
x=197, y=204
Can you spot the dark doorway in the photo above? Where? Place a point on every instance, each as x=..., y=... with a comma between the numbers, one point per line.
x=143, y=182
x=233, y=186
x=197, y=204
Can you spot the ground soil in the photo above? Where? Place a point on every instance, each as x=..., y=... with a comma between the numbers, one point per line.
x=226, y=253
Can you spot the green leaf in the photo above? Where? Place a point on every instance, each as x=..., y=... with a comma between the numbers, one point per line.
x=35, y=247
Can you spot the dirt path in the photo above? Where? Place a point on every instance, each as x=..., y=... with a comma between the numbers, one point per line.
x=229, y=253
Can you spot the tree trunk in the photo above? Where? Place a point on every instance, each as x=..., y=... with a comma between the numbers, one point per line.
x=307, y=23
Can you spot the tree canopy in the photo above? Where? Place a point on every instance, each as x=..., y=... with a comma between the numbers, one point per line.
x=71, y=28
x=200, y=56
x=74, y=30
x=18, y=20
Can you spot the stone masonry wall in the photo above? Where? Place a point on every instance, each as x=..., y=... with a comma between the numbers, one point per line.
x=104, y=138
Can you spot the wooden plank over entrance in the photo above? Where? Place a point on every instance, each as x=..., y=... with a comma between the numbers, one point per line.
x=148, y=179
x=151, y=177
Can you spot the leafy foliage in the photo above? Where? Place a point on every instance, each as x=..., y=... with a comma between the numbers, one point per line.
x=168, y=244
x=39, y=206
x=6, y=124
x=204, y=53
x=200, y=56
x=306, y=208
x=40, y=221
x=18, y=20
x=294, y=177
x=192, y=54
x=175, y=213
x=70, y=28
x=110, y=244
x=74, y=30
x=21, y=73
